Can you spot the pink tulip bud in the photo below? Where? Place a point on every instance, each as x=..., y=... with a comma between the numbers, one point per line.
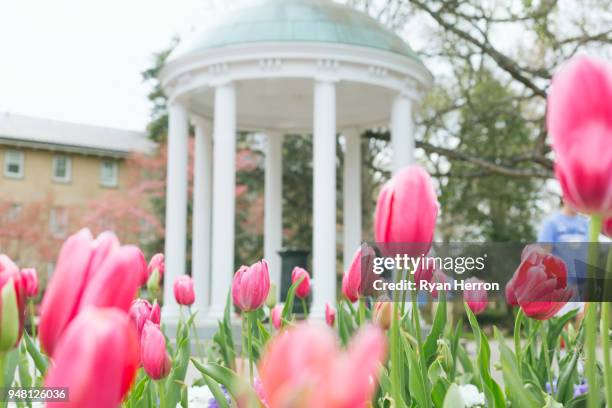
x=406, y=213
x=157, y=264
x=299, y=363
x=183, y=290
x=12, y=304
x=30, y=278
x=303, y=290
x=276, y=316
x=476, y=299
x=250, y=286
x=579, y=120
x=141, y=311
x=330, y=315
x=96, y=359
x=359, y=276
x=155, y=359
x=88, y=273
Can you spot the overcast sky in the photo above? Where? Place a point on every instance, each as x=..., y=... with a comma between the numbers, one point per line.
x=81, y=61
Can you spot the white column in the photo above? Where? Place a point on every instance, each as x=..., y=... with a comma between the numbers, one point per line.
x=324, y=198
x=201, y=217
x=351, y=224
x=176, y=203
x=402, y=132
x=273, y=206
x=224, y=200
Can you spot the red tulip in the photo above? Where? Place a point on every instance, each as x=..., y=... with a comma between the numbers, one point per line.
x=607, y=227
x=579, y=120
x=183, y=290
x=476, y=299
x=30, y=279
x=12, y=304
x=539, y=285
x=357, y=279
x=88, y=273
x=96, y=359
x=406, y=213
x=250, y=286
x=153, y=355
x=141, y=311
x=276, y=316
x=303, y=367
x=303, y=290
x=330, y=315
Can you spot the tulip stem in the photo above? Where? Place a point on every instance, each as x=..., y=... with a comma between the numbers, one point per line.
x=605, y=330
x=32, y=317
x=547, y=357
x=361, y=311
x=304, y=308
x=395, y=371
x=161, y=393
x=250, y=344
x=593, y=396
x=2, y=368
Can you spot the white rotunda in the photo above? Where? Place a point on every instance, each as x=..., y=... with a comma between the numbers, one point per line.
x=279, y=67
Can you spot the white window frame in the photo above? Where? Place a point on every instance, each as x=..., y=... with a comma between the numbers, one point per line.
x=68, y=176
x=114, y=180
x=8, y=161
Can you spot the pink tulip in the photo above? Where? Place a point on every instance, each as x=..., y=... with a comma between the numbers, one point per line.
x=250, y=286
x=607, y=227
x=303, y=290
x=155, y=272
x=153, y=355
x=30, y=278
x=382, y=314
x=141, y=311
x=579, y=120
x=96, y=359
x=276, y=316
x=357, y=280
x=88, y=273
x=406, y=213
x=330, y=315
x=476, y=299
x=303, y=367
x=12, y=304
x=539, y=285
x=183, y=290
x=156, y=264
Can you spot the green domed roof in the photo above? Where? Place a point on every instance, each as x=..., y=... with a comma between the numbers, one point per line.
x=321, y=21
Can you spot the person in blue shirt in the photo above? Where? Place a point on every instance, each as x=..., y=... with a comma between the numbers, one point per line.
x=566, y=234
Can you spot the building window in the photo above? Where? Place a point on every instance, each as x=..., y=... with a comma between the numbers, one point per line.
x=109, y=170
x=13, y=164
x=62, y=168
x=58, y=222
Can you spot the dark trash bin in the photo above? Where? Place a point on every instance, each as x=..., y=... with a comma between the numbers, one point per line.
x=290, y=258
